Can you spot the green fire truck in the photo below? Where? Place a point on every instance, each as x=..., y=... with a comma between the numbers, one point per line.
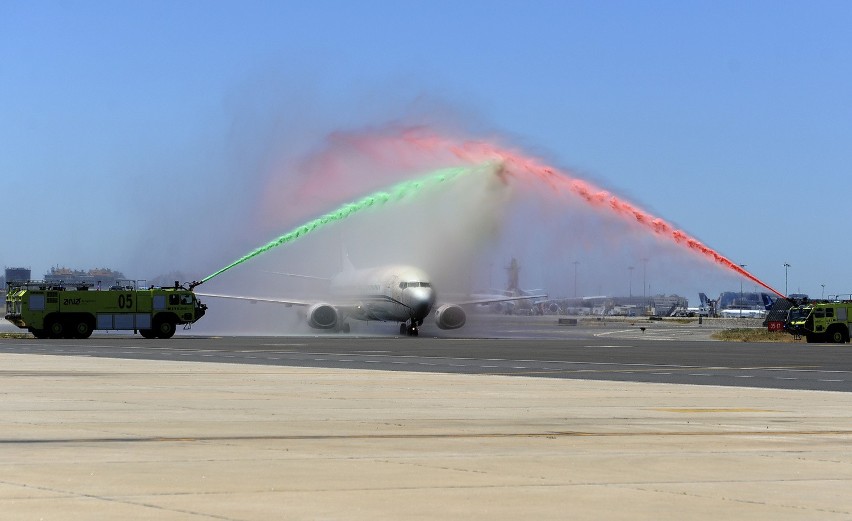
x=56, y=310
x=821, y=321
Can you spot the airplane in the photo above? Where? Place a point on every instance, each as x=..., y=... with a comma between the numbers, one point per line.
x=704, y=309
x=393, y=293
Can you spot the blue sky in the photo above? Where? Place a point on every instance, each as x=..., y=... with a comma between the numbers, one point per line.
x=119, y=120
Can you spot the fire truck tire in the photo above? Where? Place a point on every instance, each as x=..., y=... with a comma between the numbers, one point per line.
x=54, y=328
x=81, y=328
x=838, y=335
x=39, y=333
x=147, y=333
x=164, y=328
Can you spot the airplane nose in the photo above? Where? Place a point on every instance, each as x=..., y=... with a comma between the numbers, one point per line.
x=421, y=301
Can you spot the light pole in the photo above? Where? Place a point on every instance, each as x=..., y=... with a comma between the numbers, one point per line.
x=644, y=295
x=786, y=267
x=741, y=283
x=823, y=291
x=630, y=281
x=575, y=278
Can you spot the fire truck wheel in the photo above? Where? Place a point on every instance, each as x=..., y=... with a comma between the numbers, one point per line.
x=147, y=333
x=164, y=328
x=82, y=329
x=54, y=328
x=838, y=335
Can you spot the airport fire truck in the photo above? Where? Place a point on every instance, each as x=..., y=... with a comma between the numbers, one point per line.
x=56, y=310
x=821, y=321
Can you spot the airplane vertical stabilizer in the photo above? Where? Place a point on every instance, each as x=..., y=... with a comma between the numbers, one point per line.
x=345, y=263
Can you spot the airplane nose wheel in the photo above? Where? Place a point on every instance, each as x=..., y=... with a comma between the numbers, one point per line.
x=409, y=328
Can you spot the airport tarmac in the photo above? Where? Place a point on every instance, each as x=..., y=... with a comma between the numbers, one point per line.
x=133, y=435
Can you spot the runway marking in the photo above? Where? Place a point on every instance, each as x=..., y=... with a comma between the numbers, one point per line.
x=465, y=435
x=710, y=410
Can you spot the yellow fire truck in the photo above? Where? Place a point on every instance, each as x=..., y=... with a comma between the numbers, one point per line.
x=821, y=321
x=56, y=310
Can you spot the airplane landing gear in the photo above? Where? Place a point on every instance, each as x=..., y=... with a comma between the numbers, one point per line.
x=409, y=328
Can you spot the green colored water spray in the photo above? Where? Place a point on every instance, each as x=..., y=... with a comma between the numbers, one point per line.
x=393, y=194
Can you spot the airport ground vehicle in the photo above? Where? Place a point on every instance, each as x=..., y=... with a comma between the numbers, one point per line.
x=821, y=321
x=49, y=310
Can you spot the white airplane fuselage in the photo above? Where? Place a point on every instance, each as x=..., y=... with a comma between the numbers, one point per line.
x=387, y=293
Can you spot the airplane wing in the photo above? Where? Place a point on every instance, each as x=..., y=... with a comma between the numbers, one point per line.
x=498, y=298
x=261, y=299
x=299, y=276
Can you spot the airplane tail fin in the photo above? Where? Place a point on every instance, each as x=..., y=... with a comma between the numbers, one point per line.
x=345, y=263
x=704, y=300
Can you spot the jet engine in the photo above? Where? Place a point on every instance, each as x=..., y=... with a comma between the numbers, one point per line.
x=322, y=316
x=450, y=316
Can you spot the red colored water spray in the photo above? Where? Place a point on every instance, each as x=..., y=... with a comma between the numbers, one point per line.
x=520, y=166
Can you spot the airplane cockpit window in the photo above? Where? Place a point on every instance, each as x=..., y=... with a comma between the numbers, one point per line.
x=404, y=285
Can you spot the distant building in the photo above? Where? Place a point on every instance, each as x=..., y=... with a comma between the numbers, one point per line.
x=95, y=277
x=744, y=300
x=17, y=275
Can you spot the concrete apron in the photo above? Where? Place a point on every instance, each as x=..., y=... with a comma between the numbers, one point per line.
x=90, y=438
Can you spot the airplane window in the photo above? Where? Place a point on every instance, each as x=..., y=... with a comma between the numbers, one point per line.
x=404, y=285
